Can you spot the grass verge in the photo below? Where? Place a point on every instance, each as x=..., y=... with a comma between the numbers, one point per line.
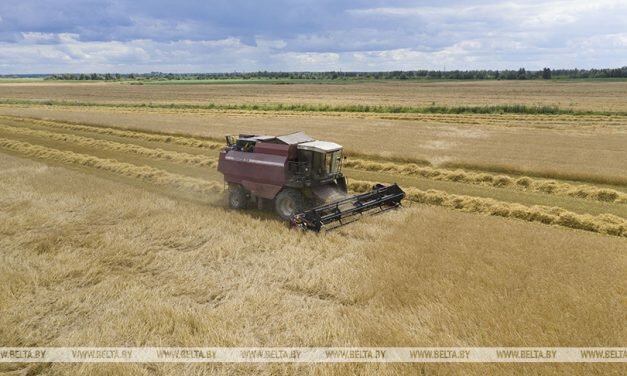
x=492, y=110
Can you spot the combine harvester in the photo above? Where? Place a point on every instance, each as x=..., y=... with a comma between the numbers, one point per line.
x=301, y=177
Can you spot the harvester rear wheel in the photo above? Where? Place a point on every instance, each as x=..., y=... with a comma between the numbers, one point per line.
x=289, y=202
x=238, y=197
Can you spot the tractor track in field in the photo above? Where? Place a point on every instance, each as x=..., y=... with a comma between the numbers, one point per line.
x=95, y=148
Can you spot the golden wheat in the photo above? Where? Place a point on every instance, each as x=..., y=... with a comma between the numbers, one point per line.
x=150, y=174
x=591, y=156
x=146, y=136
x=410, y=167
x=87, y=261
x=603, y=223
x=156, y=153
x=499, y=181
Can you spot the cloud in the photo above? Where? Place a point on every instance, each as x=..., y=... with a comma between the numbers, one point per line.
x=314, y=61
x=142, y=35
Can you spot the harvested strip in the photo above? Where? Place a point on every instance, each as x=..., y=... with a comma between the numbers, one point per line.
x=500, y=181
x=178, y=157
x=603, y=223
x=546, y=173
x=150, y=174
x=364, y=158
x=146, y=136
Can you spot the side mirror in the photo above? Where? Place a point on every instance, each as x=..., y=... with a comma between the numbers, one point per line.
x=230, y=140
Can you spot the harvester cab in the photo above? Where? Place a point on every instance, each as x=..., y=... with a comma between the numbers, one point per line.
x=300, y=176
x=318, y=163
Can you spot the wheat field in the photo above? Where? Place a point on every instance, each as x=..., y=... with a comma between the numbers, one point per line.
x=114, y=231
x=582, y=95
x=584, y=147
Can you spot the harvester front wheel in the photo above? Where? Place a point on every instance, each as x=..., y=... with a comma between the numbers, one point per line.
x=289, y=202
x=238, y=197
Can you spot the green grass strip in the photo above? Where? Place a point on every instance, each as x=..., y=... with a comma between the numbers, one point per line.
x=272, y=107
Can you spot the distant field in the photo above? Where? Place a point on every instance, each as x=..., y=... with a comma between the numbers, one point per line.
x=114, y=229
x=581, y=95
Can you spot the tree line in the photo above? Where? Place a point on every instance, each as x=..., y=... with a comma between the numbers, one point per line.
x=520, y=74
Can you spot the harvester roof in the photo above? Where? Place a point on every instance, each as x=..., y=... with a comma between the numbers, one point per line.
x=320, y=146
x=304, y=141
x=295, y=138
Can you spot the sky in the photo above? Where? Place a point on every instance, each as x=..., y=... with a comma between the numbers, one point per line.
x=139, y=36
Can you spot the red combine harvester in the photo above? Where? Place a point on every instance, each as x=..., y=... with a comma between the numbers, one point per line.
x=301, y=176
